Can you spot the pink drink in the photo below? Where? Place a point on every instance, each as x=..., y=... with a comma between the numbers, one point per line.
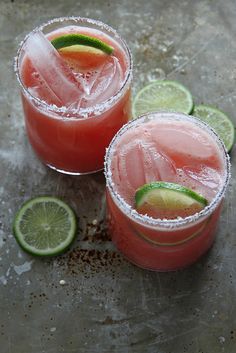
x=74, y=100
x=167, y=147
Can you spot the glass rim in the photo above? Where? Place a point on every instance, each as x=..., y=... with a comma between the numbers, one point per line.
x=171, y=224
x=83, y=113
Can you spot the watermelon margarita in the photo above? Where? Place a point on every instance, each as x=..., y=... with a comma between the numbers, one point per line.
x=74, y=99
x=169, y=147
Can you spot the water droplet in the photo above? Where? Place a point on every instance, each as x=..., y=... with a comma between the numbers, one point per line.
x=221, y=339
x=156, y=74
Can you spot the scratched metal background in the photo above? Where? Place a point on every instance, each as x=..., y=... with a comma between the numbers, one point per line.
x=106, y=304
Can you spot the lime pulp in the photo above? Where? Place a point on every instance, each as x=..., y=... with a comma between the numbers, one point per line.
x=163, y=95
x=168, y=198
x=45, y=226
x=219, y=121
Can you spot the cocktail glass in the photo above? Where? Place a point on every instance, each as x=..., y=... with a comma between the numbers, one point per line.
x=68, y=139
x=151, y=243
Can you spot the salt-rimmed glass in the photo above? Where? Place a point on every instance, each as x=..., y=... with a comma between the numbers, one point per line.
x=157, y=244
x=63, y=138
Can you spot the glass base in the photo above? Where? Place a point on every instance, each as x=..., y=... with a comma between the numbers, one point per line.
x=73, y=173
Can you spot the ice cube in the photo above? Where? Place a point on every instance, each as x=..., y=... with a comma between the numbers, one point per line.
x=187, y=142
x=104, y=82
x=157, y=166
x=130, y=169
x=87, y=80
x=45, y=93
x=202, y=179
x=207, y=176
x=138, y=162
x=148, y=156
x=53, y=70
x=161, y=167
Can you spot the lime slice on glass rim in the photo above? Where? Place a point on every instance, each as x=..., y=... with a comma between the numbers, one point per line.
x=72, y=39
x=163, y=95
x=45, y=226
x=168, y=200
x=219, y=121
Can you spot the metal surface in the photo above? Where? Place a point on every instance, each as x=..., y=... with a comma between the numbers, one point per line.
x=105, y=303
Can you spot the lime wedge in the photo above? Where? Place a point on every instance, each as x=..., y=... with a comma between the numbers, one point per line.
x=82, y=57
x=44, y=226
x=68, y=40
x=168, y=200
x=219, y=121
x=163, y=95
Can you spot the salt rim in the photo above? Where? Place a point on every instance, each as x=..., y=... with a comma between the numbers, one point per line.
x=83, y=112
x=165, y=223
